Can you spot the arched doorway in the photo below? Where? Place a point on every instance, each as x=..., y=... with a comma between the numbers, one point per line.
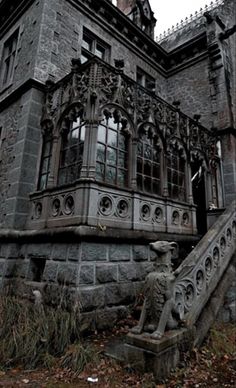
x=198, y=170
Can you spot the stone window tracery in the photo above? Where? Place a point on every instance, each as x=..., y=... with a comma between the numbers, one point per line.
x=112, y=150
x=176, y=173
x=45, y=160
x=72, y=148
x=149, y=161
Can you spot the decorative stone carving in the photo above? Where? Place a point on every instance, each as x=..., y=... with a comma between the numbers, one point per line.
x=159, y=309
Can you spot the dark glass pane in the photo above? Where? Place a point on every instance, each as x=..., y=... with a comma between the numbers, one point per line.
x=156, y=187
x=121, y=178
x=87, y=42
x=147, y=168
x=139, y=182
x=45, y=165
x=139, y=165
x=102, y=134
x=47, y=148
x=111, y=174
x=175, y=191
x=122, y=159
x=175, y=177
x=43, y=182
x=140, y=149
x=111, y=156
x=100, y=51
x=147, y=152
x=156, y=156
x=122, y=141
x=101, y=152
x=63, y=158
x=62, y=177
x=72, y=155
x=112, y=138
x=156, y=170
x=100, y=171
x=147, y=184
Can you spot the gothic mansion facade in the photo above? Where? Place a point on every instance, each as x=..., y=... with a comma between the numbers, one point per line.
x=109, y=140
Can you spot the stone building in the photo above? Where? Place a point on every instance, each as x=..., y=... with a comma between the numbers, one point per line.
x=109, y=140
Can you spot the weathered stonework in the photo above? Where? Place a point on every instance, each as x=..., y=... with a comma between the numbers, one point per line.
x=87, y=236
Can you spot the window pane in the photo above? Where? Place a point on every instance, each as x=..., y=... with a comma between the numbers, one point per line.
x=147, y=168
x=101, y=153
x=100, y=171
x=100, y=51
x=112, y=138
x=111, y=156
x=102, y=134
x=122, y=141
x=111, y=174
x=87, y=42
x=111, y=124
x=82, y=133
x=122, y=159
x=43, y=182
x=121, y=178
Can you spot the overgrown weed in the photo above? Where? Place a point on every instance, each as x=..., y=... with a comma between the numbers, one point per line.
x=32, y=336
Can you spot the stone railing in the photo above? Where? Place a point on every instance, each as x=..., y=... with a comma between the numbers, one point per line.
x=110, y=207
x=188, y=20
x=202, y=270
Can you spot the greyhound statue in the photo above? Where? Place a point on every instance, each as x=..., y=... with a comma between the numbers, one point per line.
x=159, y=310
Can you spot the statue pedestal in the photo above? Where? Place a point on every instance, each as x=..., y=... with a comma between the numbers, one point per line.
x=158, y=356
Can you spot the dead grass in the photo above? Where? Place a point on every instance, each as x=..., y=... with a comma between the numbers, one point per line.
x=33, y=336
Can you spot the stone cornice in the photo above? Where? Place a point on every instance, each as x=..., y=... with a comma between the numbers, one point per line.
x=88, y=233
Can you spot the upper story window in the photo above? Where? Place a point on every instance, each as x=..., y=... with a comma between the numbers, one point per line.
x=91, y=44
x=45, y=161
x=112, y=150
x=176, y=177
x=145, y=80
x=8, y=58
x=149, y=154
x=72, y=149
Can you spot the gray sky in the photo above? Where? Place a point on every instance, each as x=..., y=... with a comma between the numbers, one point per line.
x=170, y=12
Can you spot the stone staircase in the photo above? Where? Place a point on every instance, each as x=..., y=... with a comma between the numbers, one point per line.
x=203, y=280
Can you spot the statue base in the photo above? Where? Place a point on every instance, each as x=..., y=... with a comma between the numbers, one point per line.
x=160, y=357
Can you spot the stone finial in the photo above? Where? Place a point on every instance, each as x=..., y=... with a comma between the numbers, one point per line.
x=75, y=64
x=119, y=64
x=197, y=117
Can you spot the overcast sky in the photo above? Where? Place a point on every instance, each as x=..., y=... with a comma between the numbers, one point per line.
x=170, y=12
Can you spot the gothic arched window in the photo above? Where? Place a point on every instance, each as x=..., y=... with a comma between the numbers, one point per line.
x=149, y=161
x=45, y=160
x=72, y=148
x=112, y=149
x=176, y=164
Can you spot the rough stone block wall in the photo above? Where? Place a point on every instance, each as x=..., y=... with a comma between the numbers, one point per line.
x=61, y=39
x=27, y=46
x=19, y=154
x=191, y=87
x=105, y=277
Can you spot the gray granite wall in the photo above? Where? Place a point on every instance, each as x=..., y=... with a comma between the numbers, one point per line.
x=21, y=136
